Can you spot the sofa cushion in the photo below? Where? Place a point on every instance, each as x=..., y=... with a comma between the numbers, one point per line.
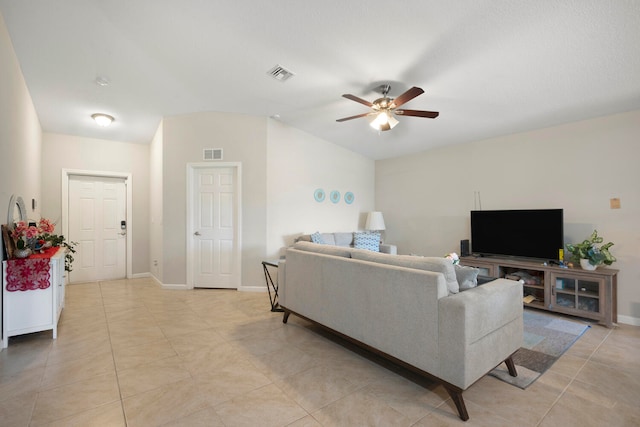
x=328, y=238
x=343, y=239
x=324, y=249
x=367, y=240
x=435, y=264
x=467, y=277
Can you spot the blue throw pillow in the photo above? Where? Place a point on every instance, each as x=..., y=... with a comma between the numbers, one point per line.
x=366, y=240
x=317, y=238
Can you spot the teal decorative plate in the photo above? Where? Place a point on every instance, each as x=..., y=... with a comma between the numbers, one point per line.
x=334, y=196
x=349, y=197
x=319, y=195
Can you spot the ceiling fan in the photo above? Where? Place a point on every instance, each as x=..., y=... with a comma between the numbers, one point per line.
x=384, y=108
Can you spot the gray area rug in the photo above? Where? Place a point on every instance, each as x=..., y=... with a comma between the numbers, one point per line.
x=546, y=338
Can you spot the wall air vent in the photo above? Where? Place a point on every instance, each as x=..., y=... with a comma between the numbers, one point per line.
x=280, y=73
x=212, y=154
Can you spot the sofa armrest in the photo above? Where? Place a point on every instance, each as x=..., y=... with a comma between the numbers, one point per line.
x=388, y=249
x=478, y=329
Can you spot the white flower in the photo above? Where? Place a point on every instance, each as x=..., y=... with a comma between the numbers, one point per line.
x=455, y=259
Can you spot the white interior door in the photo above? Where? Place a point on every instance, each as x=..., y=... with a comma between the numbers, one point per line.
x=215, y=228
x=97, y=221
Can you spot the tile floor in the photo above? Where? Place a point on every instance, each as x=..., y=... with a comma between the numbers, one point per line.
x=129, y=353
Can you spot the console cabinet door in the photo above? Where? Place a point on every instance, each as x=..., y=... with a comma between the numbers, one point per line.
x=578, y=295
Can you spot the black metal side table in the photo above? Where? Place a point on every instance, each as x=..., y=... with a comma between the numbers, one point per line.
x=273, y=299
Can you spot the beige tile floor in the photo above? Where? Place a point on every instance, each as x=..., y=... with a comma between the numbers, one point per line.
x=129, y=353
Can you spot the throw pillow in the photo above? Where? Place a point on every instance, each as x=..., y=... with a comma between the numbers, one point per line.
x=367, y=240
x=317, y=238
x=467, y=277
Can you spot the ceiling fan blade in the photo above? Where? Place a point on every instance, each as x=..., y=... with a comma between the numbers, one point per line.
x=408, y=96
x=353, y=117
x=418, y=113
x=360, y=100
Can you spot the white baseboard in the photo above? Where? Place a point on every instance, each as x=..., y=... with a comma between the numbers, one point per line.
x=140, y=275
x=628, y=320
x=252, y=289
x=179, y=286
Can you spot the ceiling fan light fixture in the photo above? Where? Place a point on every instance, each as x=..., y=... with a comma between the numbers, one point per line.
x=102, y=119
x=383, y=121
x=381, y=117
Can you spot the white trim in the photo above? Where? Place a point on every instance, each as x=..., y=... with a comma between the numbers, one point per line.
x=179, y=287
x=140, y=275
x=629, y=320
x=155, y=279
x=252, y=289
x=128, y=183
x=191, y=168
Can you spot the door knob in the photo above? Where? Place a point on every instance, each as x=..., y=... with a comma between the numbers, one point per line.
x=197, y=233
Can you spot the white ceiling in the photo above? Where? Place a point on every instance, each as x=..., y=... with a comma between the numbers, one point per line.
x=490, y=67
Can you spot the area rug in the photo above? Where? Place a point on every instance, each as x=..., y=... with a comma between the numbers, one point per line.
x=546, y=338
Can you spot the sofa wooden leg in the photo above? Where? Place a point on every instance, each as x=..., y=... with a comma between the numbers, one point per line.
x=456, y=396
x=285, y=318
x=511, y=366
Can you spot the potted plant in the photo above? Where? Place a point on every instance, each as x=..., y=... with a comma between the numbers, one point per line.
x=589, y=255
x=70, y=247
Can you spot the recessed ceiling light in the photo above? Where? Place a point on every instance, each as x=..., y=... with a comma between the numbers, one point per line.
x=102, y=119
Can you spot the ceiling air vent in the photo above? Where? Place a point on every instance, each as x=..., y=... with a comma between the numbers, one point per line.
x=212, y=154
x=280, y=73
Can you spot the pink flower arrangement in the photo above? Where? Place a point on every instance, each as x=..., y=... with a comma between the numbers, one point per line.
x=26, y=235
x=46, y=226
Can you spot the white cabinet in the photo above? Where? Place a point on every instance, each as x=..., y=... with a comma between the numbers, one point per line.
x=36, y=310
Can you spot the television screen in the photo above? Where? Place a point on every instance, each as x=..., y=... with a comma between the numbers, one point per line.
x=531, y=233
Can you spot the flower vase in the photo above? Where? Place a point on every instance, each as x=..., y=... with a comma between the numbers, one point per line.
x=22, y=253
x=586, y=265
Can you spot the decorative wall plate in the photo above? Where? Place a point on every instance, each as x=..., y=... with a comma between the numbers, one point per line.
x=349, y=197
x=334, y=196
x=319, y=195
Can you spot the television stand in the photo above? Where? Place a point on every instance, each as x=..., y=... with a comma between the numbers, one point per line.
x=573, y=291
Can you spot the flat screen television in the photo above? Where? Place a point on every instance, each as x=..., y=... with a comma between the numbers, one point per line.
x=529, y=233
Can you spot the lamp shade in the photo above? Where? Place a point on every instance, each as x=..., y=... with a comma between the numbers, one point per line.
x=375, y=221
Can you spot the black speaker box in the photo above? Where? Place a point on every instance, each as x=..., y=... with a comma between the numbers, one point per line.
x=464, y=247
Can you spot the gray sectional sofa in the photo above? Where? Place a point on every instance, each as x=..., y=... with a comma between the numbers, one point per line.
x=401, y=307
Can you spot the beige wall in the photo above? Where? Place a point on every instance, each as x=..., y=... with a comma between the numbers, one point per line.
x=20, y=134
x=298, y=164
x=426, y=198
x=87, y=154
x=243, y=139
